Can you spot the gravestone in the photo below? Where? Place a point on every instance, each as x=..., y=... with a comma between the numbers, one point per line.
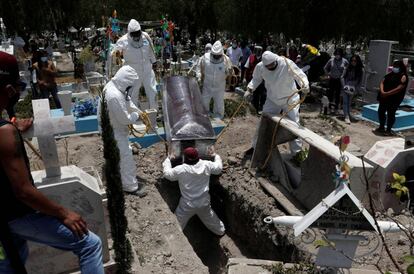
x=338, y=213
x=70, y=186
x=378, y=61
x=387, y=157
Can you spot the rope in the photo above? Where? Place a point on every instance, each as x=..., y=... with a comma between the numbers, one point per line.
x=30, y=145
x=291, y=107
x=148, y=126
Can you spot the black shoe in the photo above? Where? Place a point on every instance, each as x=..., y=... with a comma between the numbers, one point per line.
x=379, y=130
x=389, y=133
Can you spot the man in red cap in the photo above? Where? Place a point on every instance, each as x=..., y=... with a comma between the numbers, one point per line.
x=25, y=213
x=193, y=177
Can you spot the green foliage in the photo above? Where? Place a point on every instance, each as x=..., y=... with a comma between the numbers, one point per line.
x=230, y=106
x=24, y=107
x=301, y=268
x=300, y=157
x=312, y=20
x=116, y=200
x=398, y=185
x=86, y=55
x=2, y=253
x=323, y=243
x=409, y=259
x=410, y=269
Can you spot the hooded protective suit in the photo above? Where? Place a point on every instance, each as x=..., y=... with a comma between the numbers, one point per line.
x=140, y=56
x=213, y=75
x=123, y=112
x=194, y=186
x=280, y=84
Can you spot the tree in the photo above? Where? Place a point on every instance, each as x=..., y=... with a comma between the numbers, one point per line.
x=116, y=200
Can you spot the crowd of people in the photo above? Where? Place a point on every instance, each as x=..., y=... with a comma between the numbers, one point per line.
x=274, y=78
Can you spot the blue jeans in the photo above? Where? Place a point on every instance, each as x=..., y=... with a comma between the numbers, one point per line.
x=346, y=105
x=50, y=231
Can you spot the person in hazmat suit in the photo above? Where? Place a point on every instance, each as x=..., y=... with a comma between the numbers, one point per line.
x=138, y=51
x=280, y=75
x=193, y=177
x=123, y=112
x=215, y=67
x=207, y=48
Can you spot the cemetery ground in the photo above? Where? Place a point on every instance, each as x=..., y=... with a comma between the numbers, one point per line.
x=238, y=198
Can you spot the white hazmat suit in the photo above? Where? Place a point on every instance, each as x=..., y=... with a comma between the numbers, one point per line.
x=123, y=112
x=194, y=182
x=280, y=84
x=213, y=75
x=140, y=55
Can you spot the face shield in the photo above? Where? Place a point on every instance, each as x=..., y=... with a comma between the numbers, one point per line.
x=136, y=35
x=272, y=66
x=128, y=91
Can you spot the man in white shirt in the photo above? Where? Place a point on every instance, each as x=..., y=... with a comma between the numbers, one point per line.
x=235, y=53
x=193, y=178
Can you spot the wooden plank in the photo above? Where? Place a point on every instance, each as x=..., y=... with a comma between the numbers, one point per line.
x=282, y=197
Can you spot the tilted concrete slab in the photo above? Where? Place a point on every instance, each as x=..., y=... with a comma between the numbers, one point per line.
x=316, y=170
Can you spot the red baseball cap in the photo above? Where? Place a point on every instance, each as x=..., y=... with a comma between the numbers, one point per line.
x=191, y=154
x=9, y=70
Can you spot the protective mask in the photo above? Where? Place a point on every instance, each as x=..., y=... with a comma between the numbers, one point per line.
x=396, y=70
x=217, y=57
x=273, y=68
x=234, y=46
x=127, y=93
x=43, y=59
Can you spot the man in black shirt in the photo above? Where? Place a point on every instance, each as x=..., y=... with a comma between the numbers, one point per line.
x=25, y=213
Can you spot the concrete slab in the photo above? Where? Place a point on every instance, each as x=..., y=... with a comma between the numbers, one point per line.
x=316, y=170
x=77, y=190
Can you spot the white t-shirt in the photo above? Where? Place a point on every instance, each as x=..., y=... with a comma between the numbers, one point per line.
x=234, y=55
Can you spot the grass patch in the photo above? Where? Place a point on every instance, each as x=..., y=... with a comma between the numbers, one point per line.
x=24, y=108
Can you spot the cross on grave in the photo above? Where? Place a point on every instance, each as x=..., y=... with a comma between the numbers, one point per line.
x=44, y=128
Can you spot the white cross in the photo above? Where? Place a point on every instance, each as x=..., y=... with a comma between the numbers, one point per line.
x=44, y=128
